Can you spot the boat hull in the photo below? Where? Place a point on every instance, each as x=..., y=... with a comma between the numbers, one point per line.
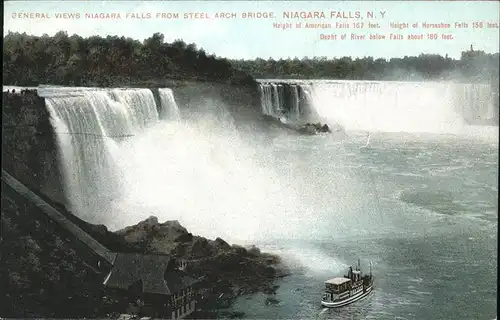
x=342, y=303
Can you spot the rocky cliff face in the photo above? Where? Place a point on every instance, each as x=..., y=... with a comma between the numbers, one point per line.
x=29, y=147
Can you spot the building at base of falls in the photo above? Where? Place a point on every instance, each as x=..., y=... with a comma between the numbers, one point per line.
x=151, y=285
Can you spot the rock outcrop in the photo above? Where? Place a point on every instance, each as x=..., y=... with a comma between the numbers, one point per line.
x=314, y=128
x=232, y=270
x=305, y=129
x=225, y=271
x=39, y=250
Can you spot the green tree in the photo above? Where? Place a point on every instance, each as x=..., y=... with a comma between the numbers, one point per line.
x=109, y=61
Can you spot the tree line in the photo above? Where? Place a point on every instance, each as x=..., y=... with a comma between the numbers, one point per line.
x=473, y=65
x=118, y=61
x=108, y=61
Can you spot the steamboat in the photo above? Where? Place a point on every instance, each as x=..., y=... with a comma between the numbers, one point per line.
x=341, y=291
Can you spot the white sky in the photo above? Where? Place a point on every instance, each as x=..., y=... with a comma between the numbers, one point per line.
x=251, y=38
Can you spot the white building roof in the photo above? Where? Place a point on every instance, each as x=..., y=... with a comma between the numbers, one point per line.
x=338, y=280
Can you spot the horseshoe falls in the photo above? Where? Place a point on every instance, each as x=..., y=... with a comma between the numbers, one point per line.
x=418, y=197
x=383, y=106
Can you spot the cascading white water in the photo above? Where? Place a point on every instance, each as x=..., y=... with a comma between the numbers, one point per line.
x=288, y=101
x=169, y=107
x=140, y=107
x=391, y=106
x=266, y=99
x=89, y=124
x=310, y=112
x=276, y=97
x=283, y=101
x=272, y=98
x=474, y=101
x=296, y=103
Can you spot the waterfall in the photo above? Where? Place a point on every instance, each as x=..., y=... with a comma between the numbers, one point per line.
x=285, y=101
x=89, y=125
x=138, y=106
x=170, y=110
x=385, y=106
x=266, y=99
x=308, y=112
x=271, y=96
x=296, y=102
x=281, y=100
x=475, y=101
x=276, y=99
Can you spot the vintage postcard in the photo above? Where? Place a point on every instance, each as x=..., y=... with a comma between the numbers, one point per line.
x=250, y=159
